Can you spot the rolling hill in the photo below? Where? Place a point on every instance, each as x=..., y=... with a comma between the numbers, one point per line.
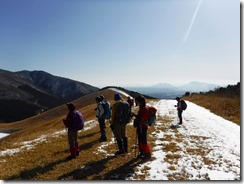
x=27, y=93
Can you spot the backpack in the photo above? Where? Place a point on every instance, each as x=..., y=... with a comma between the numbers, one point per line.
x=151, y=116
x=78, y=121
x=107, y=110
x=183, y=105
x=123, y=115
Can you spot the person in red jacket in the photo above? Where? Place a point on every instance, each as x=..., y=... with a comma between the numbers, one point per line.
x=142, y=127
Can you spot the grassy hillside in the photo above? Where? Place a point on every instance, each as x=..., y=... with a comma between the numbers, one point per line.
x=47, y=159
x=224, y=102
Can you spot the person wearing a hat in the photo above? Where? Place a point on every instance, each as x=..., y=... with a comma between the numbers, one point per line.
x=141, y=128
x=101, y=120
x=72, y=132
x=119, y=129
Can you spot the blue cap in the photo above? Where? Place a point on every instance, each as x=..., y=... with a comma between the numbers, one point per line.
x=117, y=97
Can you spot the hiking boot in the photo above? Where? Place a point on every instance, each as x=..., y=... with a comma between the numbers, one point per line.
x=119, y=152
x=73, y=152
x=120, y=147
x=102, y=139
x=140, y=155
x=146, y=156
x=70, y=157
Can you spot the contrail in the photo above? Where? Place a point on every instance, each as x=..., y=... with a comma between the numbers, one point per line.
x=192, y=21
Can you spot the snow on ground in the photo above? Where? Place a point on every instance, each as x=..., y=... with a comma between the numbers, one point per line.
x=217, y=138
x=2, y=135
x=31, y=144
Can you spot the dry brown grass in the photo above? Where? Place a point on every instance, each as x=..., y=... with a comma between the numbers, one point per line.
x=47, y=160
x=228, y=108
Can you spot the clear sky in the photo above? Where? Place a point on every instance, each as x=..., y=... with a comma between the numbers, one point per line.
x=123, y=42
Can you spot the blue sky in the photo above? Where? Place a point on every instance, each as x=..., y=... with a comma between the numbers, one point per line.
x=123, y=42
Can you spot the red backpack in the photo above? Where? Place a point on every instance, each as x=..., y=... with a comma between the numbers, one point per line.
x=151, y=116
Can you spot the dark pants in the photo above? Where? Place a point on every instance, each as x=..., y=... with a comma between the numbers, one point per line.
x=119, y=130
x=180, y=115
x=102, y=126
x=120, y=135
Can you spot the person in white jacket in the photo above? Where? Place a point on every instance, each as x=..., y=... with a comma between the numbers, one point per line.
x=101, y=120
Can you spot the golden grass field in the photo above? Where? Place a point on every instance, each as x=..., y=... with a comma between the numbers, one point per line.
x=226, y=107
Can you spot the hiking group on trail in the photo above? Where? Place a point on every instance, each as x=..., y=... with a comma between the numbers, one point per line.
x=119, y=115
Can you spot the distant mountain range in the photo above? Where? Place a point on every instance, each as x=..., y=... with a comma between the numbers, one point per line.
x=169, y=91
x=27, y=93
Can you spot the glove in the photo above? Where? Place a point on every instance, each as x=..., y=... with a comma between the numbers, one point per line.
x=136, y=122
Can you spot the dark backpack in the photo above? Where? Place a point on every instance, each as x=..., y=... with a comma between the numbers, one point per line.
x=183, y=105
x=151, y=116
x=123, y=115
x=78, y=121
x=107, y=110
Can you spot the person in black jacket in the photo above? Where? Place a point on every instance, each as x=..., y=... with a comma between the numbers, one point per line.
x=179, y=109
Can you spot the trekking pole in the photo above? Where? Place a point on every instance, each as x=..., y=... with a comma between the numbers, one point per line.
x=136, y=145
x=67, y=139
x=115, y=141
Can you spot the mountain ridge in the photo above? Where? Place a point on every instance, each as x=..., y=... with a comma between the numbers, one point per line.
x=169, y=91
x=27, y=93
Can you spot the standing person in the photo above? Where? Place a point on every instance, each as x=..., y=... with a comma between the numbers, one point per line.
x=70, y=124
x=101, y=120
x=118, y=125
x=106, y=107
x=179, y=109
x=142, y=127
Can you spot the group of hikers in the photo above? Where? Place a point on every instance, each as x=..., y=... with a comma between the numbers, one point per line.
x=119, y=115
